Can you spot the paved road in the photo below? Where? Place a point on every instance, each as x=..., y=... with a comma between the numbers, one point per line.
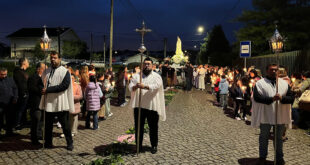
x=196, y=132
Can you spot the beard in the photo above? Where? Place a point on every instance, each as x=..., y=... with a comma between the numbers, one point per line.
x=146, y=72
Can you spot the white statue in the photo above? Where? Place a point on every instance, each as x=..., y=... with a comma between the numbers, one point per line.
x=179, y=57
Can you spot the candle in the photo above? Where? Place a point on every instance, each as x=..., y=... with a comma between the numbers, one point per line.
x=293, y=79
x=244, y=69
x=113, y=83
x=128, y=75
x=243, y=88
x=250, y=85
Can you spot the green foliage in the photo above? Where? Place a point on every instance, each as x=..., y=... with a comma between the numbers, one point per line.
x=38, y=53
x=202, y=57
x=10, y=66
x=75, y=49
x=218, y=48
x=97, y=57
x=292, y=21
x=132, y=129
x=113, y=159
x=168, y=96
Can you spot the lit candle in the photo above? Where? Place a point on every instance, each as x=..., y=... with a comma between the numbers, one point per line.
x=250, y=85
x=293, y=79
x=244, y=69
x=243, y=88
x=128, y=75
x=113, y=83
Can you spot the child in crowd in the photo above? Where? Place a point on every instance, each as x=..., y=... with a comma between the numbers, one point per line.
x=93, y=94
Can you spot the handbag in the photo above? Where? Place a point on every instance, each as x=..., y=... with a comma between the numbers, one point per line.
x=304, y=101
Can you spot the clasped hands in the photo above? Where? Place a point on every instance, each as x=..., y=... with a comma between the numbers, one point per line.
x=277, y=97
x=139, y=85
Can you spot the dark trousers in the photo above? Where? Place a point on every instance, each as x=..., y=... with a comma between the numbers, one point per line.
x=188, y=83
x=95, y=119
x=164, y=81
x=36, y=124
x=121, y=95
x=218, y=96
x=242, y=105
x=21, y=111
x=152, y=120
x=7, y=115
x=63, y=118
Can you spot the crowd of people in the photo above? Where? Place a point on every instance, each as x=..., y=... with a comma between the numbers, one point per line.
x=246, y=90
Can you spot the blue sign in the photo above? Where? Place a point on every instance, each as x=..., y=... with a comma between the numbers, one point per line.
x=245, y=49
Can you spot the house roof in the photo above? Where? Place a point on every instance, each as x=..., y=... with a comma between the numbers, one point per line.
x=37, y=32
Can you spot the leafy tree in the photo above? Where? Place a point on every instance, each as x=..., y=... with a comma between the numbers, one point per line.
x=97, y=56
x=218, y=48
x=292, y=19
x=75, y=49
x=202, y=57
x=38, y=53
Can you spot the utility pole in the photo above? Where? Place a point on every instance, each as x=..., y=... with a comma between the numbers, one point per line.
x=15, y=53
x=111, y=33
x=91, y=47
x=165, y=47
x=104, y=45
x=58, y=37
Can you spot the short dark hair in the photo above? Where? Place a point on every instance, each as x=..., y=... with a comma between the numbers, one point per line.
x=2, y=69
x=306, y=74
x=55, y=53
x=223, y=76
x=269, y=65
x=39, y=65
x=21, y=61
x=92, y=79
x=148, y=59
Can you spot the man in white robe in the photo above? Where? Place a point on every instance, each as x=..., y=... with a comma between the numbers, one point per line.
x=264, y=107
x=57, y=100
x=152, y=102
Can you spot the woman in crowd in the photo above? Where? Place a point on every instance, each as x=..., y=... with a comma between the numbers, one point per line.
x=84, y=80
x=202, y=73
x=93, y=94
x=78, y=96
x=101, y=113
x=108, y=92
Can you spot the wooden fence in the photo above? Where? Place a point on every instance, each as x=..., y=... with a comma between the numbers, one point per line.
x=295, y=61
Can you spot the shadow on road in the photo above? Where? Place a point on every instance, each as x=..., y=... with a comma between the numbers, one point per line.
x=252, y=161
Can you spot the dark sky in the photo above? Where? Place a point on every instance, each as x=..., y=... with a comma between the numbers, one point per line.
x=167, y=18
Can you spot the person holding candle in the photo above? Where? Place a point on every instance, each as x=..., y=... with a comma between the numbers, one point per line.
x=108, y=92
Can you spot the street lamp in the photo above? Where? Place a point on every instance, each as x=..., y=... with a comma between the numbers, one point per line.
x=45, y=44
x=45, y=41
x=200, y=29
x=276, y=44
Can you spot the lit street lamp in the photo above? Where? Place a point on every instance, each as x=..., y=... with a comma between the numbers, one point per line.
x=45, y=44
x=276, y=44
x=200, y=29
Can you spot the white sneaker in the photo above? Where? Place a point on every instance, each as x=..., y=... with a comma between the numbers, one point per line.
x=245, y=119
x=111, y=114
x=237, y=118
x=62, y=135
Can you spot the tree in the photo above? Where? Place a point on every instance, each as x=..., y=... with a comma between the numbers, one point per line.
x=202, y=57
x=218, y=48
x=292, y=19
x=38, y=53
x=75, y=49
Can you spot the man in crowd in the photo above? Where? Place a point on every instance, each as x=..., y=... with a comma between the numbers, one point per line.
x=21, y=77
x=264, y=110
x=8, y=97
x=152, y=102
x=189, y=76
x=57, y=100
x=35, y=86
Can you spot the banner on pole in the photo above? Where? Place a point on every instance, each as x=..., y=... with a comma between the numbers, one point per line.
x=245, y=49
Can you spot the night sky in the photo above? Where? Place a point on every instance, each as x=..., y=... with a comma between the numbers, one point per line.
x=167, y=18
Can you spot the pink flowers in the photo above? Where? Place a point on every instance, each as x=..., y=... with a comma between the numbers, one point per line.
x=127, y=138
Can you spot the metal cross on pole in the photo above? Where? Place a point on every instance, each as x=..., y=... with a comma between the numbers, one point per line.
x=142, y=49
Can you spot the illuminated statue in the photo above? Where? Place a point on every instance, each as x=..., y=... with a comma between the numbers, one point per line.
x=179, y=57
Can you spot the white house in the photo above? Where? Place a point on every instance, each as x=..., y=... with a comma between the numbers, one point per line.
x=24, y=40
